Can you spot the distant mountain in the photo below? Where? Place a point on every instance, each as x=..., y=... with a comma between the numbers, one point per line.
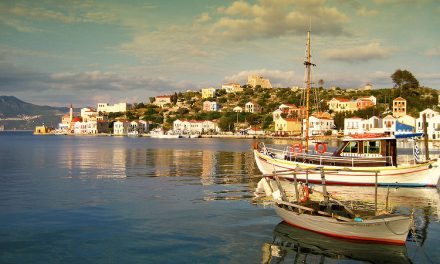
x=17, y=114
x=11, y=106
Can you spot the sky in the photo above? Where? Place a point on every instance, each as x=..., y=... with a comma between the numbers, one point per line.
x=85, y=52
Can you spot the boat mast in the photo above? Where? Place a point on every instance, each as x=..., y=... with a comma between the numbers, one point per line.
x=308, y=65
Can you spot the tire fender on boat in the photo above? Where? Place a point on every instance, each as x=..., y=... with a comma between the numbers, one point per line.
x=321, y=148
x=297, y=146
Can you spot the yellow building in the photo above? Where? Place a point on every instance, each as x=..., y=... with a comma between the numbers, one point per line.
x=287, y=126
x=42, y=130
x=208, y=92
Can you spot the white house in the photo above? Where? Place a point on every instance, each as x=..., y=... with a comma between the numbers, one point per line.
x=232, y=87
x=196, y=126
x=407, y=120
x=107, y=108
x=80, y=127
x=318, y=126
x=433, y=121
x=357, y=125
x=252, y=107
x=141, y=126
x=389, y=124
x=276, y=114
x=121, y=127
x=353, y=125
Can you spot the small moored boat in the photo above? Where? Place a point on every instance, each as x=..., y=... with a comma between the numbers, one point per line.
x=332, y=218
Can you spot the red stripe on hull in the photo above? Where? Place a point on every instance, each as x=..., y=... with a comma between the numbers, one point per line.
x=365, y=239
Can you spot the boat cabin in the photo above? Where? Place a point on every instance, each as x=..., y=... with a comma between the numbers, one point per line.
x=371, y=147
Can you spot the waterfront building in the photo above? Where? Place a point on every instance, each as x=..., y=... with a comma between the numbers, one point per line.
x=399, y=107
x=287, y=126
x=107, y=108
x=162, y=100
x=357, y=125
x=92, y=126
x=232, y=87
x=319, y=124
x=42, y=129
x=121, y=127
x=254, y=131
x=196, y=126
x=252, y=107
x=433, y=123
x=255, y=80
x=141, y=126
x=208, y=92
x=79, y=127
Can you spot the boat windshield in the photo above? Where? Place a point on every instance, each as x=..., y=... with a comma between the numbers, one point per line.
x=352, y=147
x=372, y=147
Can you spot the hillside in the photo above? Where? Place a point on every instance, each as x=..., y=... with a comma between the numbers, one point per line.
x=17, y=114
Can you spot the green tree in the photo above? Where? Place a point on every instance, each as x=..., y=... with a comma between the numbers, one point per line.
x=404, y=81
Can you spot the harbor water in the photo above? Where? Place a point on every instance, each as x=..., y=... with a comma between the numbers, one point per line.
x=79, y=199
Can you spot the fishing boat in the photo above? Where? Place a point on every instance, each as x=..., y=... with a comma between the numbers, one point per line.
x=364, y=159
x=331, y=217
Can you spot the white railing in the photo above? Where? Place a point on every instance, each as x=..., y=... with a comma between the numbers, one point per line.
x=326, y=158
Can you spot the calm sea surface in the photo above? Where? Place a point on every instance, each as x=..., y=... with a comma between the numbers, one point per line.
x=66, y=199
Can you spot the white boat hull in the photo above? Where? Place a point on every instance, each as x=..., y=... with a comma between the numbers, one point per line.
x=420, y=175
x=390, y=230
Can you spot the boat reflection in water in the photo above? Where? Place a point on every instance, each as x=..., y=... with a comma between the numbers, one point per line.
x=295, y=245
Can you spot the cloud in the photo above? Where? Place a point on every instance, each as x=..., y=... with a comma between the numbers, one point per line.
x=364, y=12
x=22, y=16
x=277, y=78
x=434, y=52
x=364, y=53
x=379, y=79
x=395, y=1
x=272, y=18
x=82, y=87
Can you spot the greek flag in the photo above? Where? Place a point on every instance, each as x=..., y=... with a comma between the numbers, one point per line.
x=416, y=152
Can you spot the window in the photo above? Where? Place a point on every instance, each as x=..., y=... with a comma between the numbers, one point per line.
x=372, y=147
x=352, y=147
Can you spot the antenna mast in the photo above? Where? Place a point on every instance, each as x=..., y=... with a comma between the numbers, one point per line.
x=308, y=65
